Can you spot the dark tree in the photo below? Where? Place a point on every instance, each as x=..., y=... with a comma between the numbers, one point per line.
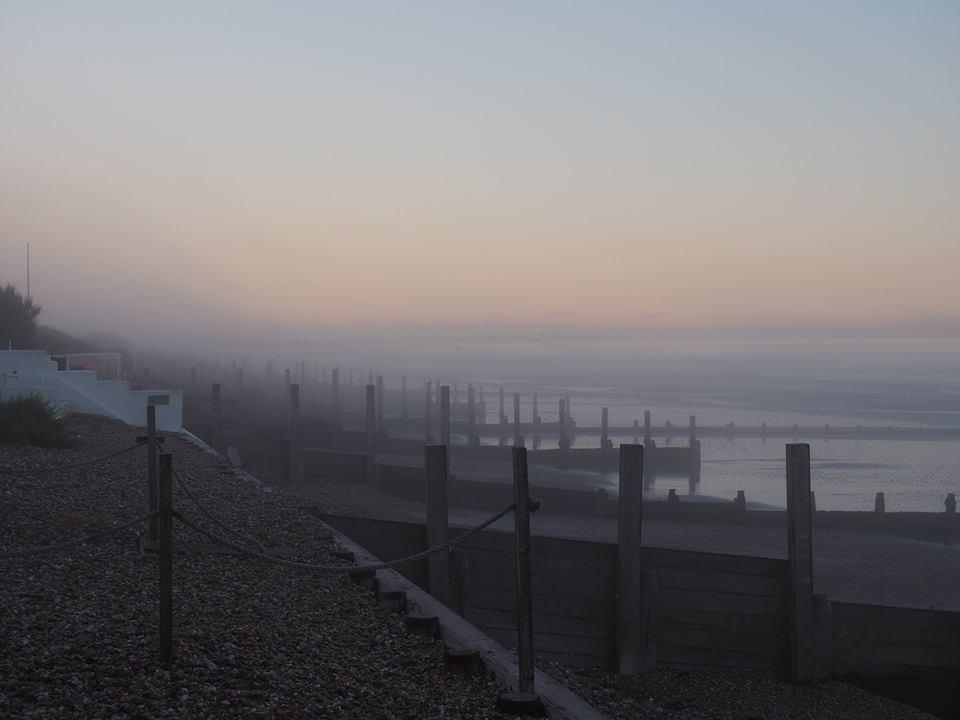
x=18, y=318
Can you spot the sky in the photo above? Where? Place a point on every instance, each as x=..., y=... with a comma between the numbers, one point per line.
x=653, y=167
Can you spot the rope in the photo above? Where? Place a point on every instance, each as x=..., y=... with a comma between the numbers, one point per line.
x=340, y=569
x=69, y=466
x=78, y=541
x=210, y=516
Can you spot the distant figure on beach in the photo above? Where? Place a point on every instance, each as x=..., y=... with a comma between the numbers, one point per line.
x=951, y=503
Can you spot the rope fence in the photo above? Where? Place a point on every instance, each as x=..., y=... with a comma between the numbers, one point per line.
x=54, y=547
x=341, y=569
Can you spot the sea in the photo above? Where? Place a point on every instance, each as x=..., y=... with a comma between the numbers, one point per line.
x=871, y=382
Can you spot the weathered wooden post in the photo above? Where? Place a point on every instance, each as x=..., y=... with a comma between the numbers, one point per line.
x=800, y=558
x=165, y=557
x=427, y=429
x=435, y=462
x=693, y=429
x=152, y=468
x=445, y=415
x=638, y=591
x=294, y=473
x=403, y=397
x=370, y=473
x=380, y=405
x=521, y=496
x=472, y=439
x=605, y=429
x=564, y=441
x=822, y=636
x=517, y=435
x=647, y=432
x=880, y=504
x=216, y=417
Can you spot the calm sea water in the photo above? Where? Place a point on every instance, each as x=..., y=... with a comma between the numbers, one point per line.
x=780, y=382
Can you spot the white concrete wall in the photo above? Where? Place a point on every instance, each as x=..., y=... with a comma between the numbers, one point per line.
x=24, y=372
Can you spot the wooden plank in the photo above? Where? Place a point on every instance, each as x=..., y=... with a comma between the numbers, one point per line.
x=657, y=558
x=547, y=604
x=722, y=602
x=679, y=634
x=547, y=624
x=747, y=624
x=884, y=615
x=712, y=657
x=865, y=653
x=895, y=635
x=716, y=582
x=576, y=569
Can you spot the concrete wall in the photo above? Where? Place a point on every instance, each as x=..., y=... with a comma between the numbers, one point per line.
x=80, y=391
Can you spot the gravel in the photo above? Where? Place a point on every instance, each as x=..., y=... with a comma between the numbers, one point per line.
x=78, y=628
x=702, y=694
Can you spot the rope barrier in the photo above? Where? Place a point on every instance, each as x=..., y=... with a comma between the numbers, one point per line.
x=340, y=569
x=69, y=466
x=210, y=516
x=78, y=541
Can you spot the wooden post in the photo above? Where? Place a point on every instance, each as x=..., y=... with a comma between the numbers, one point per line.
x=693, y=429
x=293, y=436
x=800, y=558
x=427, y=423
x=472, y=439
x=216, y=418
x=647, y=434
x=517, y=437
x=379, y=404
x=521, y=496
x=636, y=605
x=564, y=442
x=403, y=397
x=822, y=636
x=371, y=465
x=435, y=462
x=445, y=415
x=152, y=468
x=503, y=415
x=165, y=557
x=605, y=428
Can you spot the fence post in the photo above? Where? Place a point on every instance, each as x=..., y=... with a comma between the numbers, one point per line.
x=152, y=468
x=379, y=404
x=564, y=442
x=638, y=592
x=517, y=437
x=293, y=436
x=472, y=439
x=800, y=557
x=216, y=417
x=435, y=462
x=521, y=496
x=165, y=558
x=445, y=415
x=370, y=474
x=427, y=421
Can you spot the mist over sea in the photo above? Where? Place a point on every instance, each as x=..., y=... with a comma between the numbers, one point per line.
x=810, y=382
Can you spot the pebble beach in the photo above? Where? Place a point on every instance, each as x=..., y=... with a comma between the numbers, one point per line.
x=78, y=628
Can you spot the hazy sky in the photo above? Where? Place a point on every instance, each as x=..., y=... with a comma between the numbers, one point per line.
x=641, y=164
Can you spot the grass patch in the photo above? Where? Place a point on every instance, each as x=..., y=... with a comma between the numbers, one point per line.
x=31, y=420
